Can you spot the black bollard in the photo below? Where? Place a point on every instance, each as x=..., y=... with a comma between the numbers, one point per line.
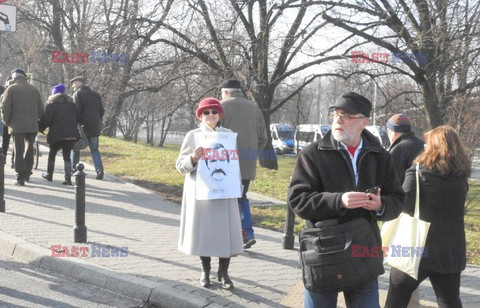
x=80, y=230
x=288, y=238
x=2, y=180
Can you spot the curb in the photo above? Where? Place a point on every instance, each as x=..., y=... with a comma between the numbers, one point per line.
x=129, y=285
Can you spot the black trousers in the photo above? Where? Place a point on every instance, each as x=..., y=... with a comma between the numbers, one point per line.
x=65, y=145
x=5, y=140
x=446, y=287
x=23, y=147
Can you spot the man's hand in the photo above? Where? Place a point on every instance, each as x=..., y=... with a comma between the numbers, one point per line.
x=355, y=199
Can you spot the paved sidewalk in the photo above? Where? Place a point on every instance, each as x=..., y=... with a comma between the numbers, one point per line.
x=120, y=214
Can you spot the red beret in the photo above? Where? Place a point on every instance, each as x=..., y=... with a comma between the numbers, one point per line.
x=208, y=103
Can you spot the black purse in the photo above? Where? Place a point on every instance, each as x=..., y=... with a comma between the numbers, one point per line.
x=329, y=264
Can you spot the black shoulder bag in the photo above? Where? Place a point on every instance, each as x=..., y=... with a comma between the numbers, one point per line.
x=328, y=261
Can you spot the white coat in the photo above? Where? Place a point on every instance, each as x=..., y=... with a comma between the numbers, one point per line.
x=208, y=228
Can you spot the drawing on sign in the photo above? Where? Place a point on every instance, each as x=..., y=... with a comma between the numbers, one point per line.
x=218, y=171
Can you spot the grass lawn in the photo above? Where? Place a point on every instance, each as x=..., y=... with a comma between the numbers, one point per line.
x=154, y=168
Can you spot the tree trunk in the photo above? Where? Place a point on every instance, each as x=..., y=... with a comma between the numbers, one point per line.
x=431, y=102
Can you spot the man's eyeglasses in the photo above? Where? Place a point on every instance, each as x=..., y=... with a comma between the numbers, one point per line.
x=207, y=112
x=345, y=117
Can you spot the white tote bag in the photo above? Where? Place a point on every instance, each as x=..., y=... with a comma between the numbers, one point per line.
x=405, y=238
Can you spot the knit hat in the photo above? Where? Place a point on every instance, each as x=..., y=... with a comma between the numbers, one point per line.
x=353, y=103
x=399, y=123
x=59, y=88
x=18, y=71
x=208, y=103
x=230, y=84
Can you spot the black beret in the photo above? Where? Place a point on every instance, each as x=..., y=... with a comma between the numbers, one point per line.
x=19, y=71
x=78, y=78
x=354, y=103
x=230, y=84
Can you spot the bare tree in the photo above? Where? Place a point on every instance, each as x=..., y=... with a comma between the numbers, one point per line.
x=256, y=41
x=436, y=43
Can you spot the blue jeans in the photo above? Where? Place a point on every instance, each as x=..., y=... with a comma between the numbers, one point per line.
x=97, y=159
x=244, y=204
x=364, y=297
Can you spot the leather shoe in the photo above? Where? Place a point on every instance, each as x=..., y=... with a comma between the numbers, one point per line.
x=19, y=182
x=47, y=176
x=249, y=243
x=100, y=175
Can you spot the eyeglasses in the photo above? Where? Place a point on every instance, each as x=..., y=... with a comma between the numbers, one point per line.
x=345, y=117
x=207, y=112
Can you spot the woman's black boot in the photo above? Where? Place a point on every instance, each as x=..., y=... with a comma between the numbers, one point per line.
x=68, y=173
x=205, y=278
x=49, y=174
x=224, y=263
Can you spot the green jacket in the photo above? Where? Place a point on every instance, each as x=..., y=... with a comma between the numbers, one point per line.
x=22, y=107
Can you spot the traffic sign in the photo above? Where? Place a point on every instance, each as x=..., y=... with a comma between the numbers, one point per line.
x=8, y=17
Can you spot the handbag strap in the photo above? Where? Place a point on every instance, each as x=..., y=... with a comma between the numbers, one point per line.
x=417, y=195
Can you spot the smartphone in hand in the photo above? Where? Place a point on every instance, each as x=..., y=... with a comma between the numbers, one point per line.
x=372, y=190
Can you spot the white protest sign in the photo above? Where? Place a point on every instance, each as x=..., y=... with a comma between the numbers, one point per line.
x=218, y=171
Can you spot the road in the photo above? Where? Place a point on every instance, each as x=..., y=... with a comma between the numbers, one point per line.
x=22, y=285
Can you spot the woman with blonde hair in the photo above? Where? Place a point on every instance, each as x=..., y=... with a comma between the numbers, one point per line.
x=443, y=175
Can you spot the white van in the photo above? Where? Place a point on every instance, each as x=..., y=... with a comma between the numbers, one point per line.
x=308, y=133
x=282, y=138
x=381, y=133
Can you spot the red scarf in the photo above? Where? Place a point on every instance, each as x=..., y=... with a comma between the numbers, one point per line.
x=352, y=150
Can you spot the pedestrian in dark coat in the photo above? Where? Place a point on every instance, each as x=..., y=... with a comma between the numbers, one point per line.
x=61, y=120
x=405, y=146
x=245, y=118
x=330, y=179
x=90, y=109
x=444, y=171
x=22, y=109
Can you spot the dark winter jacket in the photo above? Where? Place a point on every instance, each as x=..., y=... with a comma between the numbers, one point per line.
x=61, y=119
x=403, y=151
x=442, y=203
x=323, y=172
x=90, y=108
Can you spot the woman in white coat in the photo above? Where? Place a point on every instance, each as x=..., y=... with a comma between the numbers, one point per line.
x=208, y=228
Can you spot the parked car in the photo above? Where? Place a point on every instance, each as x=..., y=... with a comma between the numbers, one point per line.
x=282, y=138
x=308, y=133
x=381, y=133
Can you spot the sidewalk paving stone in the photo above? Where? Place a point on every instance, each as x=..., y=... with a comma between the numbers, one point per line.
x=120, y=214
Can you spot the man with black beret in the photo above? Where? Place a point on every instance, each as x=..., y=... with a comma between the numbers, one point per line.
x=244, y=118
x=90, y=112
x=330, y=180
x=22, y=109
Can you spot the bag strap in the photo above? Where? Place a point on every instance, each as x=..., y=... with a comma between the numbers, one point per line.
x=417, y=195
